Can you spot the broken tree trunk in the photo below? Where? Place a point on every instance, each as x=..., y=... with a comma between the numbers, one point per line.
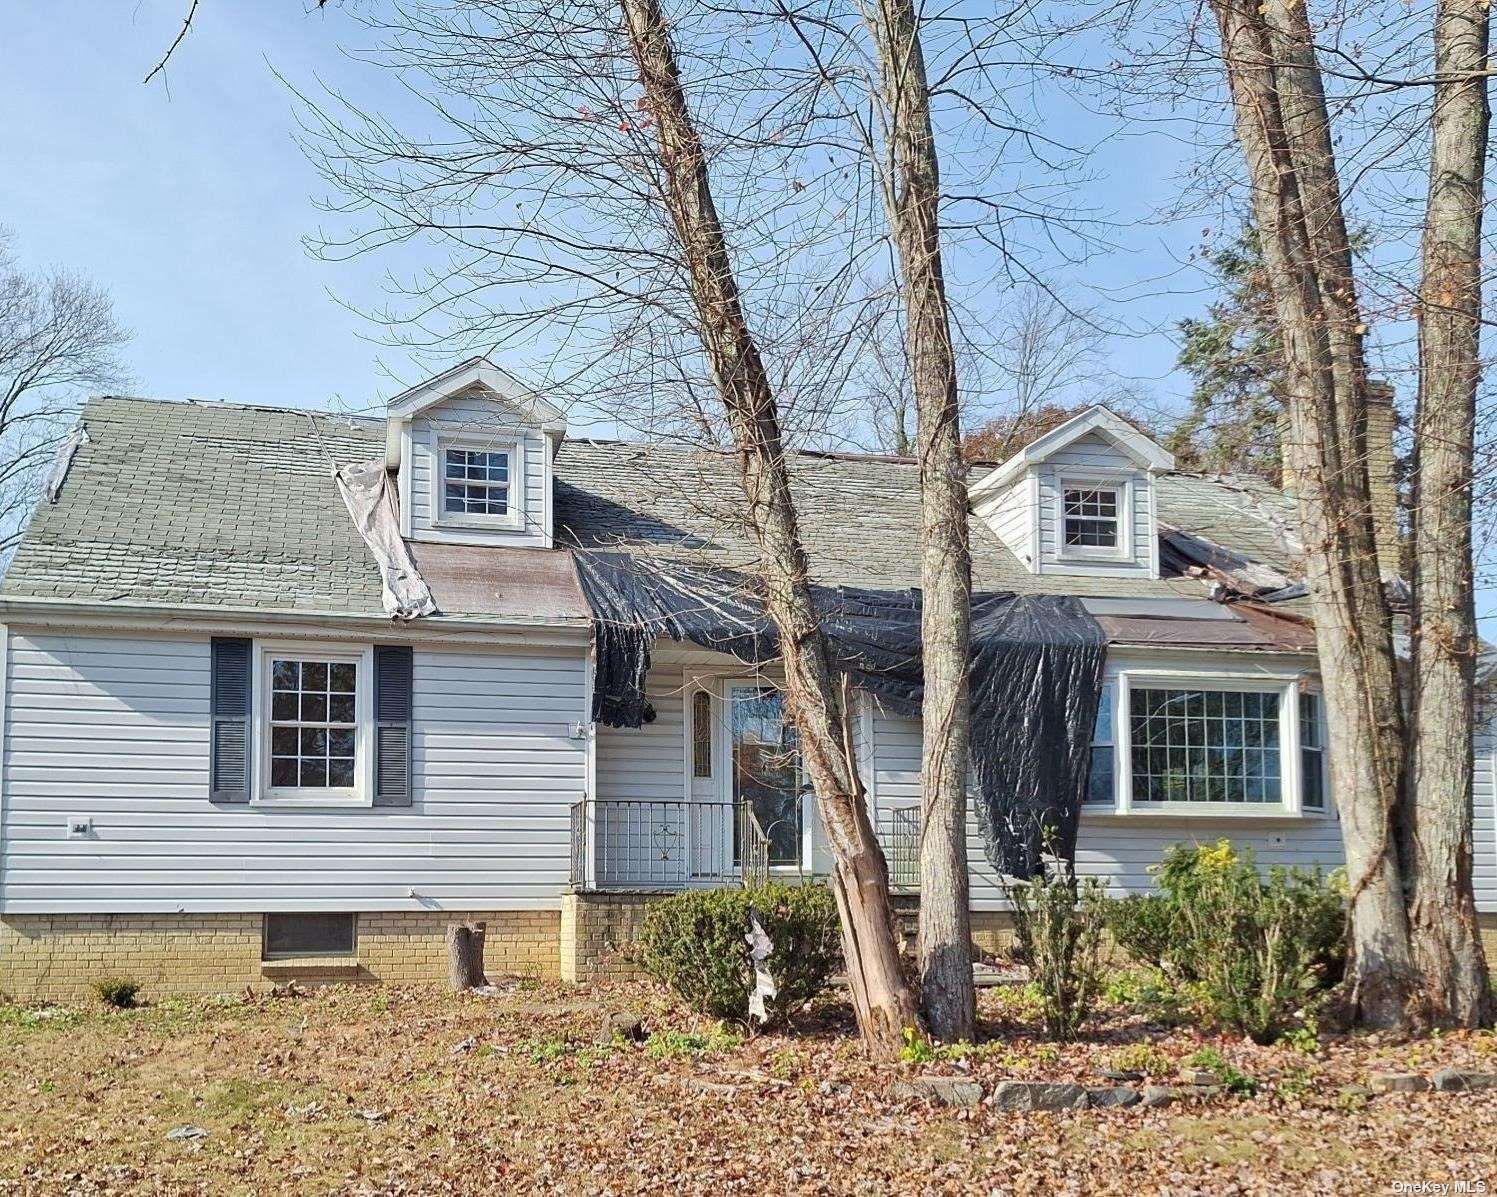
x=947, y=994
x=465, y=956
x=1284, y=132
x=882, y=998
x=1437, y=830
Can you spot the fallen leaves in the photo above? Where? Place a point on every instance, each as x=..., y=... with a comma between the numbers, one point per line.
x=407, y=1091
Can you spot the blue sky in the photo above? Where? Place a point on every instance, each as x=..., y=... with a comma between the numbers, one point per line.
x=188, y=201
x=188, y=198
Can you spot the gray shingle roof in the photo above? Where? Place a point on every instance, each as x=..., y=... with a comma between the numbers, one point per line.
x=220, y=505
x=203, y=504
x=859, y=517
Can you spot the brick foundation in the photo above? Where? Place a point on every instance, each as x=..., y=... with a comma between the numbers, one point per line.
x=598, y=932
x=993, y=932
x=57, y=957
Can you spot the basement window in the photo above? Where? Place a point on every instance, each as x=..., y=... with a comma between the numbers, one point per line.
x=289, y=936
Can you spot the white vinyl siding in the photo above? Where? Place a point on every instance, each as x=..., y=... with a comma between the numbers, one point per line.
x=1011, y=515
x=1484, y=806
x=476, y=422
x=115, y=729
x=1117, y=852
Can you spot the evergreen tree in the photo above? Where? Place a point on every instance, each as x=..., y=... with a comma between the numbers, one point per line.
x=1234, y=356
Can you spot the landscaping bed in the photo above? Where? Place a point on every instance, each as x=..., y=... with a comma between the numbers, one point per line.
x=538, y=1086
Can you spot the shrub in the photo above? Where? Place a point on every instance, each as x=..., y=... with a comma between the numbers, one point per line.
x=1255, y=948
x=1143, y=926
x=1058, y=922
x=118, y=992
x=1141, y=1057
x=695, y=943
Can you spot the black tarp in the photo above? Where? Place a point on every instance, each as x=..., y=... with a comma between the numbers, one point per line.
x=1036, y=677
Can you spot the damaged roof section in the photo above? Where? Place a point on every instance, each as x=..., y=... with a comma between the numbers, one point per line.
x=1244, y=625
x=1229, y=573
x=221, y=505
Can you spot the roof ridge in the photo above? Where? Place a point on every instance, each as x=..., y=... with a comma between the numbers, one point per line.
x=231, y=404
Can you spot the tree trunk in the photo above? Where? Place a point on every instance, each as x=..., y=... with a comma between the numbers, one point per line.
x=465, y=956
x=1283, y=128
x=1437, y=833
x=882, y=998
x=947, y=995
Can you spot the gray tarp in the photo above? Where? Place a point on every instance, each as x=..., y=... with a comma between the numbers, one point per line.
x=366, y=492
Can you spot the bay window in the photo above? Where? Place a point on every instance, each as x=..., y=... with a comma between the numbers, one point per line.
x=1192, y=745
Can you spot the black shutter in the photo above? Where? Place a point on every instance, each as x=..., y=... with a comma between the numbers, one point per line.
x=392, y=725
x=229, y=747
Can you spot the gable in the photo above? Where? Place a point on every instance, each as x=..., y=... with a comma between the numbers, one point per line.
x=508, y=467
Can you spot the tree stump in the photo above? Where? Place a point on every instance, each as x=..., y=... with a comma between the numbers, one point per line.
x=465, y=955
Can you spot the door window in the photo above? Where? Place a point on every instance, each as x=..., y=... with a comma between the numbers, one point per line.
x=766, y=772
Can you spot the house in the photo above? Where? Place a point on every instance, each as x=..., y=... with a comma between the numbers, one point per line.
x=225, y=763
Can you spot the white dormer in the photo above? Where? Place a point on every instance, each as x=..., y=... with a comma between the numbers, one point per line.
x=473, y=450
x=1079, y=499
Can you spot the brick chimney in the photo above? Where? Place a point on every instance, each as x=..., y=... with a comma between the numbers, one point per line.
x=1382, y=476
x=1382, y=473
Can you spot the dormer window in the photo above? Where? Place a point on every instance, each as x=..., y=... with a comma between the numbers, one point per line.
x=1091, y=517
x=474, y=452
x=476, y=483
x=1079, y=500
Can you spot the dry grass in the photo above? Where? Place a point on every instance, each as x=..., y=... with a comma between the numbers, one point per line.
x=416, y=1091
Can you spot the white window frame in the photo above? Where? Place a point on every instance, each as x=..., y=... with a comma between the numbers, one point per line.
x=512, y=519
x=361, y=794
x=1326, y=803
x=1286, y=685
x=1123, y=485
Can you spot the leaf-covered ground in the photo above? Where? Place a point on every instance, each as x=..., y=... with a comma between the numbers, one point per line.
x=417, y=1091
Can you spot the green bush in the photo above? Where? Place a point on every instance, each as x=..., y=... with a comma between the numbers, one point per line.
x=1144, y=927
x=1058, y=923
x=1254, y=947
x=118, y=992
x=695, y=943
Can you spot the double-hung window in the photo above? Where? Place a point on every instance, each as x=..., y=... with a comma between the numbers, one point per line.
x=1091, y=518
x=478, y=483
x=315, y=723
x=1207, y=746
x=475, y=482
x=1312, y=768
x=1101, y=787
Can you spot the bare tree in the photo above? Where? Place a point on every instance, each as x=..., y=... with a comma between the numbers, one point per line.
x=1416, y=955
x=947, y=996
x=58, y=339
x=1284, y=132
x=1436, y=830
x=884, y=1004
